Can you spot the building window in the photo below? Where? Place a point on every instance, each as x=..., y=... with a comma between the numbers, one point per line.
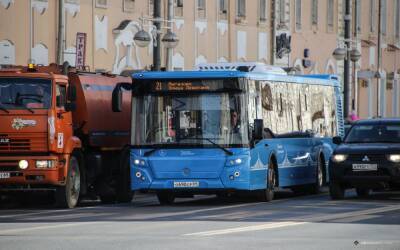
x=101, y=3
x=129, y=5
x=282, y=19
x=372, y=16
x=201, y=9
x=397, y=20
x=151, y=7
x=72, y=1
x=384, y=17
x=314, y=12
x=178, y=8
x=331, y=11
x=358, y=15
x=298, y=14
x=263, y=11
x=241, y=8
x=223, y=9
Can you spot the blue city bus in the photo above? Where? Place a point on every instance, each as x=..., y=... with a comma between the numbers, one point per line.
x=232, y=127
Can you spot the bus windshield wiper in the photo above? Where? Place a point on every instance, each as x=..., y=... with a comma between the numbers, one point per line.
x=210, y=141
x=154, y=149
x=3, y=108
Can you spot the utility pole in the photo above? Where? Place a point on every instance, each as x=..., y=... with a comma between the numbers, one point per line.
x=61, y=27
x=346, y=75
x=157, y=44
x=169, y=24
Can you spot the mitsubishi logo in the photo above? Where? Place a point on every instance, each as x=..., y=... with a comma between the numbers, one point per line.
x=365, y=158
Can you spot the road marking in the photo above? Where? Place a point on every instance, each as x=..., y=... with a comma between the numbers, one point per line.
x=271, y=225
x=27, y=229
x=355, y=219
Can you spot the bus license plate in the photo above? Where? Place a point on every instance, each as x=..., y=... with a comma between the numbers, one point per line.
x=4, y=175
x=365, y=167
x=186, y=184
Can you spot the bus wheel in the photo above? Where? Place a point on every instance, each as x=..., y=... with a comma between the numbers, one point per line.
x=336, y=191
x=68, y=196
x=268, y=193
x=319, y=178
x=165, y=198
x=362, y=192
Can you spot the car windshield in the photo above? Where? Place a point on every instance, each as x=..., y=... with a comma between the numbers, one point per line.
x=25, y=93
x=374, y=133
x=202, y=119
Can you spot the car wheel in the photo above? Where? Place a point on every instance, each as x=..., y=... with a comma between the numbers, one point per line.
x=336, y=191
x=362, y=192
x=165, y=198
x=68, y=196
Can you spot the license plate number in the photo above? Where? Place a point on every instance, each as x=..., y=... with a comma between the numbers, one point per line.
x=365, y=167
x=4, y=175
x=186, y=184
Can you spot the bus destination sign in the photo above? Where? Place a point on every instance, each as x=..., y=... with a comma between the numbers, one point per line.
x=181, y=86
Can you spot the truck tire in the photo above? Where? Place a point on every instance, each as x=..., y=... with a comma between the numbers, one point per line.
x=68, y=196
x=165, y=198
x=124, y=191
x=268, y=193
x=336, y=191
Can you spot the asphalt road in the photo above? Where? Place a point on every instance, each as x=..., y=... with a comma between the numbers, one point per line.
x=205, y=222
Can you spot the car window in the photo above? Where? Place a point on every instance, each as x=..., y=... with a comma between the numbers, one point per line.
x=374, y=133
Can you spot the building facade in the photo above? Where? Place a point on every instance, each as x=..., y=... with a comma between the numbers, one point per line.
x=299, y=34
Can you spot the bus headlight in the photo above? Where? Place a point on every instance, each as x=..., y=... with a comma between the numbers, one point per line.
x=339, y=158
x=139, y=162
x=237, y=161
x=23, y=164
x=394, y=158
x=45, y=164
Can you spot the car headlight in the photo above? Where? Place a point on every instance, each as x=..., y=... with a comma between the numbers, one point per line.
x=394, y=158
x=139, y=162
x=23, y=164
x=45, y=164
x=339, y=158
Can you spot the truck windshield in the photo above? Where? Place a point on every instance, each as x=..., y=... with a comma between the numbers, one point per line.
x=207, y=119
x=25, y=93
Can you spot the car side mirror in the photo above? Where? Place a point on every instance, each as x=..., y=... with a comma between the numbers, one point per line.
x=337, y=140
x=258, y=129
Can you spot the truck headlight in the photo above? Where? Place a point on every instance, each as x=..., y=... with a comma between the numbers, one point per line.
x=23, y=164
x=339, y=158
x=45, y=164
x=394, y=158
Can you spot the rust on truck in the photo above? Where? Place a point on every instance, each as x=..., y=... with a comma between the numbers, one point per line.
x=58, y=133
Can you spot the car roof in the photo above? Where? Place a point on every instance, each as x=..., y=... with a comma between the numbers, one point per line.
x=378, y=121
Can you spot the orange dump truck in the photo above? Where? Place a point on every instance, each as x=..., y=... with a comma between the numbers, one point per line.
x=58, y=133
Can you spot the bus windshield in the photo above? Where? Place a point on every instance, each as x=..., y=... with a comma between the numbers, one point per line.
x=200, y=119
x=25, y=93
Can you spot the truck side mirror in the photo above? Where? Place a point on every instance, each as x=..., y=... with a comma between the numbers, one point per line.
x=258, y=129
x=117, y=95
x=337, y=140
x=71, y=93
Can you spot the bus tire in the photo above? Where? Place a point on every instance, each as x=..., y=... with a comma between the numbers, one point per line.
x=68, y=196
x=268, y=193
x=316, y=188
x=363, y=192
x=336, y=191
x=124, y=191
x=165, y=198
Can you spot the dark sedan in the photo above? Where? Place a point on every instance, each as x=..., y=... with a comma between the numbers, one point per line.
x=368, y=158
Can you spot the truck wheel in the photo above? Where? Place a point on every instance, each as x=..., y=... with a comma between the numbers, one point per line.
x=124, y=191
x=268, y=193
x=336, y=191
x=362, y=192
x=165, y=198
x=68, y=196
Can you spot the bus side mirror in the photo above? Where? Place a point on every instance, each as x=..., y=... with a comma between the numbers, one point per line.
x=258, y=129
x=337, y=140
x=117, y=96
x=71, y=93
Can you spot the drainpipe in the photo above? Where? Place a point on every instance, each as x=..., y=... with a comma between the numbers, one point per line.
x=61, y=29
x=273, y=22
x=170, y=15
x=378, y=92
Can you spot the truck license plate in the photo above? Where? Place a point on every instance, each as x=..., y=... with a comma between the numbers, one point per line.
x=4, y=175
x=186, y=184
x=365, y=167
